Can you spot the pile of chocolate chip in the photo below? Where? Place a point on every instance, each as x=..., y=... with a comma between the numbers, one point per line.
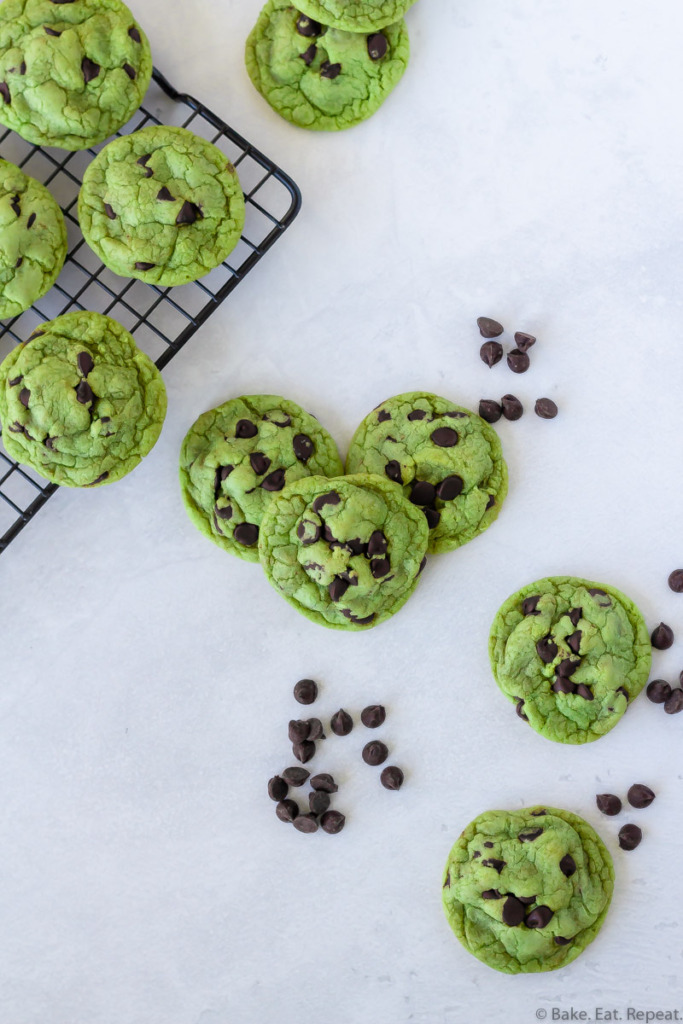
x=638, y=796
x=659, y=691
x=518, y=360
x=303, y=734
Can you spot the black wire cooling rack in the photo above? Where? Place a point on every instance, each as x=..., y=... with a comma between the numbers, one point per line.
x=162, y=320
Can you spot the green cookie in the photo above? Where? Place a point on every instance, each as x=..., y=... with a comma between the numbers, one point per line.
x=527, y=891
x=346, y=552
x=162, y=205
x=356, y=15
x=32, y=240
x=447, y=459
x=237, y=457
x=72, y=72
x=322, y=78
x=79, y=402
x=571, y=654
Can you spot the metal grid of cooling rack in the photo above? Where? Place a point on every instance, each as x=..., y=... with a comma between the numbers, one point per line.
x=162, y=320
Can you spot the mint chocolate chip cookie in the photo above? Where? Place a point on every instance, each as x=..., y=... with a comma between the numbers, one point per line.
x=237, y=457
x=345, y=552
x=33, y=240
x=447, y=460
x=571, y=654
x=79, y=402
x=356, y=15
x=527, y=891
x=323, y=78
x=162, y=205
x=72, y=72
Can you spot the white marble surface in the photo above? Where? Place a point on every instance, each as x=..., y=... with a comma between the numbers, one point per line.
x=528, y=167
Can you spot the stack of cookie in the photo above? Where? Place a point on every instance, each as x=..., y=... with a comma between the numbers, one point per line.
x=328, y=64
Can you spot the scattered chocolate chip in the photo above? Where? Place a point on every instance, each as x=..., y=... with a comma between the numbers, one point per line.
x=393, y=471
x=416, y=414
x=383, y=416
x=546, y=649
x=491, y=894
x=524, y=341
x=277, y=788
x=356, y=546
x=585, y=692
x=450, y=487
x=341, y=723
x=16, y=207
x=491, y=502
x=16, y=428
x=308, y=56
x=332, y=822
x=518, y=361
x=51, y=31
x=225, y=512
x=308, y=532
x=538, y=814
x=260, y=463
x=143, y=163
x=5, y=93
x=164, y=196
x=447, y=883
x=303, y=447
x=422, y=493
x=246, y=534
x=391, y=777
x=295, y=776
x=433, y=517
x=630, y=837
x=445, y=437
x=16, y=380
x=489, y=846
x=275, y=481
x=373, y=716
x=568, y=865
x=315, y=729
x=560, y=941
x=303, y=751
x=527, y=900
x=134, y=34
x=530, y=605
x=658, y=691
x=298, y=731
x=512, y=407
x=306, y=823
x=539, y=917
x=491, y=352
x=494, y=862
x=608, y=804
x=380, y=567
x=287, y=810
x=130, y=71
x=563, y=685
x=24, y=397
x=324, y=783
x=90, y=69
x=674, y=703
x=109, y=211
x=545, y=408
x=85, y=363
x=676, y=581
x=328, y=70
x=422, y=565
x=574, y=641
x=489, y=328
x=305, y=691
x=245, y=428
x=530, y=835
x=489, y=410
x=513, y=912
x=662, y=637
x=377, y=46
x=640, y=796
x=189, y=213
x=375, y=752
x=307, y=27
x=144, y=266
x=519, y=706
x=337, y=588
x=575, y=615
x=318, y=802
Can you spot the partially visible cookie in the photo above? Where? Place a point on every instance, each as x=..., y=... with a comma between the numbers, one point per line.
x=345, y=552
x=526, y=891
x=571, y=654
x=447, y=460
x=163, y=205
x=33, y=240
x=72, y=72
x=356, y=15
x=323, y=78
x=79, y=402
x=237, y=457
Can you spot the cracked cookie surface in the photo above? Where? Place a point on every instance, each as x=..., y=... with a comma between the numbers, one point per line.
x=526, y=891
x=345, y=552
x=162, y=205
x=33, y=240
x=318, y=77
x=72, y=72
x=79, y=402
x=237, y=457
x=447, y=460
x=356, y=15
x=571, y=654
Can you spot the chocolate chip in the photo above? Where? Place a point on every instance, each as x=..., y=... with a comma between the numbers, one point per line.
x=318, y=802
x=608, y=804
x=585, y=692
x=85, y=363
x=417, y=414
x=144, y=266
x=568, y=865
x=375, y=752
x=275, y=481
x=489, y=328
x=524, y=341
x=640, y=796
x=563, y=685
x=538, y=814
x=662, y=637
x=16, y=207
x=489, y=846
x=245, y=428
x=337, y=588
x=629, y=837
x=391, y=777
x=676, y=581
x=568, y=667
x=356, y=546
x=307, y=27
x=491, y=502
x=143, y=163
x=306, y=823
x=354, y=618
x=16, y=380
x=332, y=822
x=546, y=649
x=530, y=836
x=393, y=471
x=100, y=478
x=422, y=493
x=494, y=862
x=109, y=212
x=24, y=397
x=225, y=512
x=330, y=498
x=308, y=56
x=134, y=34
x=450, y=487
x=246, y=534
x=16, y=428
x=574, y=641
x=445, y=437
x=303, y=751
x=298, y=731
x=295, y=776
x=545, y=408
x=305, y=691
x=286, y=420
x=422, y=565
x=519, y=709
x=328, y=70
x=324, y=783
x=539, y=917
x=377, y=46
x=560, y=941
x=189, y=213
x=373, y=716
x=674, y=704
x=491, y=352
x=433, y=517
x=164, y=196
x=277, y=788
x=518, y=361
x=530, y=605
x=287, y=810
x=489, y=410
x=260, y=463
x=5, y=93
x=513, y=912
x=658, y=691
x=90, y=69
x=316, y=729
x=341, y=723
x=303, y=447
x=51, y=31
x=512, y=407
x=383, y=416
x=575, y=615
x=380, y=567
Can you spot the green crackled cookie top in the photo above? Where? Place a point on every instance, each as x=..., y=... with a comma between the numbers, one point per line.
x=345, y=552
x=79, y=402
x=447, y=460
x=322, y=78
x=33, y=240
x=72, y=72
x=356, y=15
x=162, y=205
x=571, y=654
x=527, y=890
x=237, y=457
